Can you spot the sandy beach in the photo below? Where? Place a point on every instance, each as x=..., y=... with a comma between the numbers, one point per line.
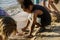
x=53, y=35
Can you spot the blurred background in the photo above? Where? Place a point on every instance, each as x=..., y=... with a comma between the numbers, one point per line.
x=12, y=6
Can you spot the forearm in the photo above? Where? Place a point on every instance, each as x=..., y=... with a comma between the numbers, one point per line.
x=44, y=4
x=52, y=5
x=28, y=23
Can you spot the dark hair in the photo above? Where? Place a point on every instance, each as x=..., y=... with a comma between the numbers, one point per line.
x=9, y=25
x=27, y=3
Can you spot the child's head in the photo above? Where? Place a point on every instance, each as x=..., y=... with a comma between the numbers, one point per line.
x=27, y=4
x=7, y=26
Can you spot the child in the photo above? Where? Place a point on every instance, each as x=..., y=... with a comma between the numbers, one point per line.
x=23, y=17
x=38, y=11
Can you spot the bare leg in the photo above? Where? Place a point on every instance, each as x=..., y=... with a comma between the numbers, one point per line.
x=32, y=28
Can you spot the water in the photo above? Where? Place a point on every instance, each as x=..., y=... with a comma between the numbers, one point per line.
x=5, y=3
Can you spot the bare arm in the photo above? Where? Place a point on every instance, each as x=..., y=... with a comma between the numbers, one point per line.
x=44, y=4
x=36, y=13
x=52, y=5
x=34, y=22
